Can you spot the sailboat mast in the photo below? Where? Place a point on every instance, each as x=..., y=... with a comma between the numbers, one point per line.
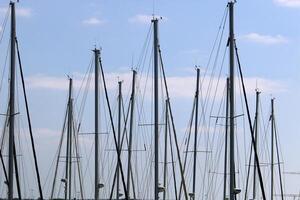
x=231, y=99
x=68, y=172
x=272, y=149
x=156, y=115
x=12, y=103
x=70, y=125
x=196, y=133
x=96, y=52
x=119, y=136
x=256, y=139
x=130, y=131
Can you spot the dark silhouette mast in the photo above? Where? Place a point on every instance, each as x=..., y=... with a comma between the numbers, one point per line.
x=231, y=99
x=119, y=136
x=129, y=171
x=156, y=114
x=256, y=139
x=12, y=103
x=96, y=52
x=70, y=132
x=272, y=149
x=196, y=133
x=68, y=172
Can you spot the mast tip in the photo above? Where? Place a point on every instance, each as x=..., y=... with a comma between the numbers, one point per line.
x=197, y=67
x=232, y=1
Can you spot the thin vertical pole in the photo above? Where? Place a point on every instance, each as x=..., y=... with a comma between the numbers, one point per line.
x=129, y=171
x=119, y=135
x=256, y=139
x=272, y=149
x=11, y=103
x=231, y=98
x=96, y=52
x=70, y=122
x=166, y=152
x=156, y=114
x=67, y=172
x=196, y=133
x=226, y=139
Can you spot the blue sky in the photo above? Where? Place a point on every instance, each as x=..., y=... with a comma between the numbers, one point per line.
x=56, y=38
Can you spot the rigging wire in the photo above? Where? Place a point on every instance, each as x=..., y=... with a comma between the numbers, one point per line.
x=3, y=26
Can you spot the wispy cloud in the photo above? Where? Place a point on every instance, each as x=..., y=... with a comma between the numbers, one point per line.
x=184, y=87
x=288, y=3
x=94, y=21
x=40, y=81
x=265, y=39
x=144, y=19
x=21, y=12
x=179, y=86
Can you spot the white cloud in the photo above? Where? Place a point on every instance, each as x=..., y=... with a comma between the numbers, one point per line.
x=265, y=39
x=144, y=19
x=288, y=3
x=179, y=87
x=22, y=12
x=184, y=87
x=93, y=21
x=40, y=81
x=265, y=85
